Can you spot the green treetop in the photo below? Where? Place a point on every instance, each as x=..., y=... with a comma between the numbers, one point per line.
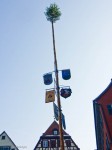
x=53, y=13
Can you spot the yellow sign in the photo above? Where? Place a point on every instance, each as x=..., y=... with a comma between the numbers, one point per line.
x=50, y=96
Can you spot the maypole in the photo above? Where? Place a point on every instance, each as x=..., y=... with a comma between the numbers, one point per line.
x=53, y=14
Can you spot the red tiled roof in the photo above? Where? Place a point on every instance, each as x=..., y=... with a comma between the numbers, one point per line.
x=53, y=126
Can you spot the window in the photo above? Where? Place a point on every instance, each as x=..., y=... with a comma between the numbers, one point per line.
x=3, y=137
x=53, y=143
x=4, y=148
x=109, y=107
x=58, y=143
x=45, y=144
x=68, y=143
x=55, y=132
x=107, y=144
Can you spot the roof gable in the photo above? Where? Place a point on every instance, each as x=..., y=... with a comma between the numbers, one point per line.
x=5, y=140
x=53, y=126
x=53, y=140
x=105, y=91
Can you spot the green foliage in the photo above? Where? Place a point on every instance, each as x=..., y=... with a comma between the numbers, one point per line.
x=53, y=13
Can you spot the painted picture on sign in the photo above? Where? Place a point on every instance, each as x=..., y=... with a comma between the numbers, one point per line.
x=50, y=96
x=65, y=92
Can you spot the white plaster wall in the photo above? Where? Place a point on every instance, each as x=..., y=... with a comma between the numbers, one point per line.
x=6, y=142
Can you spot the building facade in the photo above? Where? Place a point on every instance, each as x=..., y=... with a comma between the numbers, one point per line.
x=6, y=143
x=102, y=106
x=50, y=140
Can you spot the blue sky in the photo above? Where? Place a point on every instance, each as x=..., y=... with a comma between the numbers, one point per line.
x=83, y=44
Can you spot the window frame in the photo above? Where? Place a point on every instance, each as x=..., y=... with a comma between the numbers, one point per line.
x=107, y=144
x=109, y=108
x=3, y=137
x=55, y=132
x=45, y=143
x=5, y=148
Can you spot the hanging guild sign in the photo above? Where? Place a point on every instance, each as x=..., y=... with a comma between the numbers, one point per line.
x=66, y=75
x=65, y=92
x=50, y=96
x=48, y=79
x=56, y=111
x=63, y=121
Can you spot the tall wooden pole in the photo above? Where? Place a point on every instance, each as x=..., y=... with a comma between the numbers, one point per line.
x=58, y=92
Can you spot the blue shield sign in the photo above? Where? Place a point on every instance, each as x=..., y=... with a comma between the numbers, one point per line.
x=66, y=75
x=48, y=79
